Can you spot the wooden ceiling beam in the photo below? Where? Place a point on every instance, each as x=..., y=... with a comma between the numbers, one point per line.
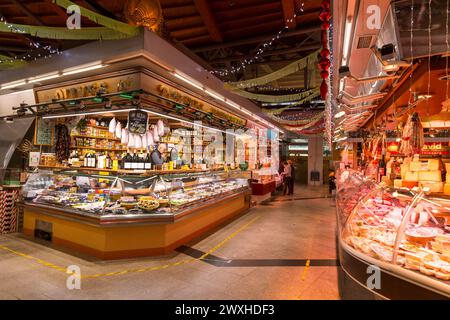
x=306, y=47
x=59, y=11
x=27, y=11
x=289, y=12
x=258, y=39
x=208, y=18
x=239, y=13
x=13, y=48
x=186, y=22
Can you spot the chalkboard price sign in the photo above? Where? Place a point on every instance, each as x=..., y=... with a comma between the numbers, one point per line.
x=43, y=132
x=137, y=121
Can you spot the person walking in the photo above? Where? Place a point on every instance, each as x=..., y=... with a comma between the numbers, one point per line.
x=287, y=173
x=292, y=180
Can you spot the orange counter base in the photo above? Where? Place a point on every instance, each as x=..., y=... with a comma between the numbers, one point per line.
x=120, y=241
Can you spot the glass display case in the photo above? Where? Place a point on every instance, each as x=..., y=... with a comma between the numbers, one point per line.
x=405, y=233
x=352, y=186
x=106, y=196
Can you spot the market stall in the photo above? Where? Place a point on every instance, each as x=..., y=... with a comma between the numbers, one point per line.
x=130, y=157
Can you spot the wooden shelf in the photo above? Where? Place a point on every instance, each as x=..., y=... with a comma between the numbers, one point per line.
x=99, y=149
x=141, y=172
x=92, y=137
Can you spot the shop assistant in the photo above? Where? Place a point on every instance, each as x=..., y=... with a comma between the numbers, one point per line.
x=157, y=155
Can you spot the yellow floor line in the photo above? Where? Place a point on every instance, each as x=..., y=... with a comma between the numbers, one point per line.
x=122, y=272
x=305, y=270
x=40, y=261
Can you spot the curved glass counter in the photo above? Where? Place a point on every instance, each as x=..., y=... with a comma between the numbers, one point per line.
x=405, y=233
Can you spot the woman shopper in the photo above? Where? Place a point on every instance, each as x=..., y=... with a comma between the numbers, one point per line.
x=287, y=173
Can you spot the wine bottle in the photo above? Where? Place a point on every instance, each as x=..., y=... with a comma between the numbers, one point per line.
x=127, y=161
x=134, y=162
x=141, y=165
x=148, y=162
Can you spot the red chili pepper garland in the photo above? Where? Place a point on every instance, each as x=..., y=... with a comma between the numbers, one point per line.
x=324, y=61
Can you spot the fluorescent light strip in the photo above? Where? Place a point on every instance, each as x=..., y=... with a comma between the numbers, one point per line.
x=42, y=78
x=87, y=113
x=18, y=83
x=186, y=121
x=13, y=84
x=69, y=72
x=215, y=95
x=185, y=79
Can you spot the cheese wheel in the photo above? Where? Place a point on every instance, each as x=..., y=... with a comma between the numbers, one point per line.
x=430, y=176
x=447, y=189
x=435, y=187
x=415, y=166
x=433, y=164
x=412, y=176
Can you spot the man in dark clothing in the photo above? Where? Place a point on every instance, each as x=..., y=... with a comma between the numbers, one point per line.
x=292, y=180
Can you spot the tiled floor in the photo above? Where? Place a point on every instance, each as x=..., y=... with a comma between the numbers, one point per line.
x=265, y=260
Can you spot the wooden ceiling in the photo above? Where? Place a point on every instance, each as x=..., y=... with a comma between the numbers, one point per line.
x=219, y=34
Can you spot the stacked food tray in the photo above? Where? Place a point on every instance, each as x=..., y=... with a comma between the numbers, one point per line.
x=8, y=211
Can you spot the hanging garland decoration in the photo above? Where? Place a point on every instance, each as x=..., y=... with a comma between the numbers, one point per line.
x=324, y=62
x=109, y=23
x=8, y=63
x=309, y=129
x=306, y=96
x=111, y=30
x=261, y=48
x=280, y=110
x=20, y=60
x=281, y=73
x=300, y=122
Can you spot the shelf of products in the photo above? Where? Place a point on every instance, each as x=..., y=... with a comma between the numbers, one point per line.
x=405, y=233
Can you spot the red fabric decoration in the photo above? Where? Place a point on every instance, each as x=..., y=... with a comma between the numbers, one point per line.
x=324, y=74
x=325, y=4
x=324, y=64
x=325, y=15
x=324, y=89
x=325, y=53
x=325, y=25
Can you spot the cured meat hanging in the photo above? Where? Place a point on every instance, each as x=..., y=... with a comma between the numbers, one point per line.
x=62, y=142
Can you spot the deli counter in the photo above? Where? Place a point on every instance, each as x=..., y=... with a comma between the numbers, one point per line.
x=393, y=243
x=124, y=216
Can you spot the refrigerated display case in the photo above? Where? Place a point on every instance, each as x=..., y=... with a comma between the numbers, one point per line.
x=402, y=235
x=157, y=212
